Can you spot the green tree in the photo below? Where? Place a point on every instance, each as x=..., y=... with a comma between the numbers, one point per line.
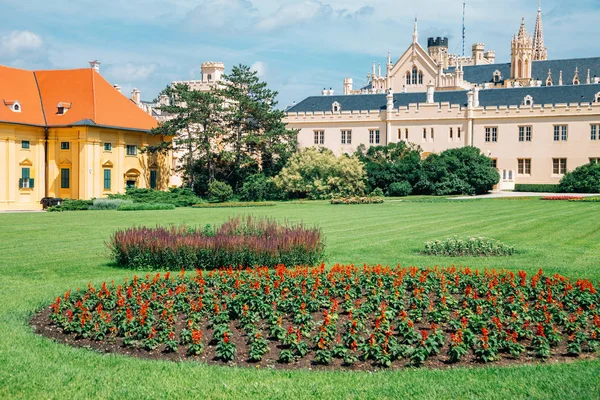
x=394, y=163
x=196, y=123
x=585, y=179
x=319, y=174
x=256, y=138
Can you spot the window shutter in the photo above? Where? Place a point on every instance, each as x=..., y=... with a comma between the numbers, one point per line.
x=31, y=183
x=20, y=183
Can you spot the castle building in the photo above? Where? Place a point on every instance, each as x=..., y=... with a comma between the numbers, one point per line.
x=535, y=118
x=71, y=134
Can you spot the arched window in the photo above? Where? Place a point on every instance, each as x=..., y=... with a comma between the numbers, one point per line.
x=209, y=77
x=415, y=75
x=420, y=77
x=16, y=107
x=497, y=76
x=528, y=101
x=520, y=70
x=597, y=98
x=336, y=107
x=407, y=78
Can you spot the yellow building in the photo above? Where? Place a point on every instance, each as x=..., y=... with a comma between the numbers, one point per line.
x=71, y=134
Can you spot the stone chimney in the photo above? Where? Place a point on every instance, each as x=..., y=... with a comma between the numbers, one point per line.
x=348, y=83
x=476, y=96
x=95, y=65
x=136, y=96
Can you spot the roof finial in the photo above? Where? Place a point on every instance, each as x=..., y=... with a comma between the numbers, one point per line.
x=416, y=31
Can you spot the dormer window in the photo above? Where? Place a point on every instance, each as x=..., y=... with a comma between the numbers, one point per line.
x=597, y=98
x=497, y=76
x=336, y=107
x=528, y=101
x=13, y=105
x=62, y=108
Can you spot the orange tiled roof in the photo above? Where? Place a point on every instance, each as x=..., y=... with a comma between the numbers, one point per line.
x=87, y=97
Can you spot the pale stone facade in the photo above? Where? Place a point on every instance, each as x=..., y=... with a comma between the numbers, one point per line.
x=533, y=125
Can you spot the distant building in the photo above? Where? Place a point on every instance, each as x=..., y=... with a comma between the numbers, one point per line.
x=71, y=134
x=535, y=118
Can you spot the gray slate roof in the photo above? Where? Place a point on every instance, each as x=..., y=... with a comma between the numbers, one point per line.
x=488, y=98
x=539, y=71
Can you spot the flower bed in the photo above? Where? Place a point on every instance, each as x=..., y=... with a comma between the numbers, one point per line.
x=562, y=198
x=468, y=247
x=587, y=200
x=357, y=200
x=357, y=317
x=238, y=242
x=236, y=204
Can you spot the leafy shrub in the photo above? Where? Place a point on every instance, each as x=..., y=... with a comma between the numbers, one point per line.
x=399, y=189
x=259, y=188
x=536, y=188
x=318, y=174
x=72, y=205
x=180, y=197
x=458, y=171
x=219, y=192
x=239, y=241
x=357, y=200
x=108, y=204
x=585, y=179
x=378, y=192
x=236, y=204
x=468, y=247
x=145, y=207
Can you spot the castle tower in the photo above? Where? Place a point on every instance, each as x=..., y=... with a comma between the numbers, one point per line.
x=438, y=49
x=521, y=55
x=212, y=71
x=540, y=53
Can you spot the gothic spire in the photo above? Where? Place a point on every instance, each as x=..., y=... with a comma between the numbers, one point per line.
x=416, y=32
x=540, y=52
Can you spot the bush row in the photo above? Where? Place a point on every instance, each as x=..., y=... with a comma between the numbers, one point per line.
x=238, y=242
x=236, y=204
x=357, y=200
x=468, y=247
x=537, y=188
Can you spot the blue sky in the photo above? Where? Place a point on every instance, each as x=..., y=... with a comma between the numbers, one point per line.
x=298, y=46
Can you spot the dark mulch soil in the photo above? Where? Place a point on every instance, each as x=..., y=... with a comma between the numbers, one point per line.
x=43, y=326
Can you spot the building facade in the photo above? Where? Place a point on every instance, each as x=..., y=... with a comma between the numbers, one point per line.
x=535, y=118
x=71, y=134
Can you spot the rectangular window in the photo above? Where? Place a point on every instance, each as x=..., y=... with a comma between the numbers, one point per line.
x=525, y=133
x=559, y=166
x=346, y=137
x=319, y=137
x=458, y=132
x=131, y=150
x=595, y=130
x=424, y=133
x=153, y=179
x=399, y=134
x=25, y=144
x=107, y=146
x=65, y=178
x=491, y=134
x=594, y=160
x=560, y=133
x=432, y=134
x=65, y=145
x=374, y=136
x=26, y=182
x=524, y=166
x=494, y=163
x=451, y=133
x=107, y=179
x=406, y=134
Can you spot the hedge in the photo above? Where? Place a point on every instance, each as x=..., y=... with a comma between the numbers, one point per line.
x=548, y=188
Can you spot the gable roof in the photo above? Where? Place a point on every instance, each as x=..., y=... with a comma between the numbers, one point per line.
x=539, y=70
x=93, y=100
x=487, y=98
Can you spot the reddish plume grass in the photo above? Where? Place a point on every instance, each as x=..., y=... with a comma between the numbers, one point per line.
x=240, y=241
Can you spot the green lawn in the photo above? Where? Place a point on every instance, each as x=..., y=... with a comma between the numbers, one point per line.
x=43, y=255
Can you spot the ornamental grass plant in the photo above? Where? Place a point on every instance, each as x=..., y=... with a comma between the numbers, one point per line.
x=468, y=247
x=240, y=241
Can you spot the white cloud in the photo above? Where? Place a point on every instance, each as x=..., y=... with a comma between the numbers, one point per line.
x=260, y=68
x=130, y=72
x=225, y=15
x=19, y=42
x=295, y=13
